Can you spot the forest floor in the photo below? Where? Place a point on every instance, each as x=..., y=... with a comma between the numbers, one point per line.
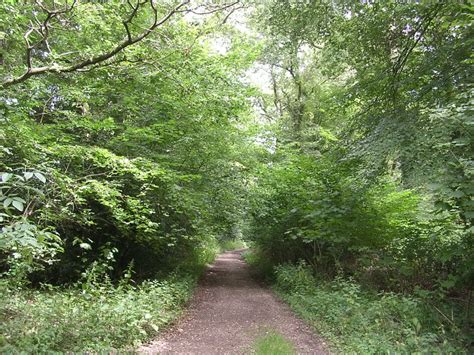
x=229, y=312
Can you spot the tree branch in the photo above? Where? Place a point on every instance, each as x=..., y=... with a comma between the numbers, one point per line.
x=213, y=10
x=132, y=15
x=128, y=41
x=419, y=31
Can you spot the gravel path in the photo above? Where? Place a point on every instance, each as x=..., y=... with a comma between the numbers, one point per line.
x=228, y=311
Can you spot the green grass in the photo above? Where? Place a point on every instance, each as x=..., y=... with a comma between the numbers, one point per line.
x=273, y=344
x=100, y=318
x=363, y=321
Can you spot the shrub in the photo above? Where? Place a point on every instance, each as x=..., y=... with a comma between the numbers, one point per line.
x=261, y=266
x=361, y=321
x=98, y=317
x=232, y=244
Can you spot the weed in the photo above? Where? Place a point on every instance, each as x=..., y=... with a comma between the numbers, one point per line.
x=273, y=344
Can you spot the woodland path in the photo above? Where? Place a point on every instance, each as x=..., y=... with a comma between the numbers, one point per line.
x=229, y=311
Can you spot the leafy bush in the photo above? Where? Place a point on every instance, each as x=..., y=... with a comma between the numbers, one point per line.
x=380, y=233
x=261, y=266
x=369, y=168
x=96, y=317
x=27, y=246
x=360, y=321
x=232, y=244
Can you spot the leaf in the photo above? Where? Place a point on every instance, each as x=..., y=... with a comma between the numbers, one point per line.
x=30, y=241
x=7, y=202
x=19, y=199
x=460, y=142
x=447, y=283
x=434, y=186
x=441, y=205
x=28, y=175
x=6, y=177
x=457, y=194
x=417, y=324
x=40, y=177
x=18, y=205
x=469, y=214
x=148, y=316
x=85, y=246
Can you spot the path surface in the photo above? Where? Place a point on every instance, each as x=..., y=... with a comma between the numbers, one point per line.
x=228, y=311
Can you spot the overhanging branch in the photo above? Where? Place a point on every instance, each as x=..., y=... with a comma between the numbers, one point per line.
x=128, y=41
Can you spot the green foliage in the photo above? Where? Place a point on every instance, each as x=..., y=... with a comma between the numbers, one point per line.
x=312, y=210
x=100, y=317
x=273, y=343
x=261, y=265
x=369, y=175
x=124, y=170
x=127, y=141
x=359, y=321
x=371, y=172
x=140, y=154
x=28, y=246
x=232, y=244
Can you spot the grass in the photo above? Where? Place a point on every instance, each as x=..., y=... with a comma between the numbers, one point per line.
x=273, y=344
x=96, y=318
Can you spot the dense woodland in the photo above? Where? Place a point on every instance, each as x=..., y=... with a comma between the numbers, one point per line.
x=138, y=138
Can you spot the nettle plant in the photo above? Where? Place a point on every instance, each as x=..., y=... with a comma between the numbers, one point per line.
x=24, y=245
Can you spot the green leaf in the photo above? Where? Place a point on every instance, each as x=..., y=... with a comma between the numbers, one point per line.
x=7, y=202
x=28, y=175
x=18, y=205
x=40, y=177
x=457, y=194
x=460, y=142
x=85, y=246
x=148, y=316
x=6, y=177
x=469, y=214
x=441, y=205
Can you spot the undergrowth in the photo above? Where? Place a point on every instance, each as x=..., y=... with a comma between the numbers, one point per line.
x=98, y=313
x=97, y=318
x=356, y=320
x=262, y=268
x=232, y=244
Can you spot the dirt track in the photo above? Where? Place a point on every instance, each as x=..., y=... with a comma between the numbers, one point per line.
x=228, y=311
